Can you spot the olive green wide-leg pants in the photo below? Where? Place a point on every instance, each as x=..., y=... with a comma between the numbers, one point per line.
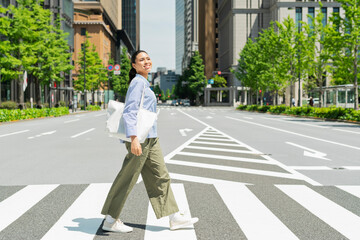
x=156, y=178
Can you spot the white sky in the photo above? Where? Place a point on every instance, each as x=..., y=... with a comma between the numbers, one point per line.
x=157, y=32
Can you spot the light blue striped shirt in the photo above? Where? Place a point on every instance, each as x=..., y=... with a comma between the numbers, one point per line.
x=132, y=105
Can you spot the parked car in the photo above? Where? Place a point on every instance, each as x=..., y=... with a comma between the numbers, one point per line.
x=174, y=103
x=186, y=102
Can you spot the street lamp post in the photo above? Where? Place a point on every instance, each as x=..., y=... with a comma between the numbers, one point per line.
x=299, y=76
x=84, y=49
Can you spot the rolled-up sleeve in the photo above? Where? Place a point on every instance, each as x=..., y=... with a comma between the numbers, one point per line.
x=132, y=106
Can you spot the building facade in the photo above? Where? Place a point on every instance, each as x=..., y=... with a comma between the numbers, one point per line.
x=131, y=21
x=180, y=40
x=191, y=30
x=240, y=20
x=165, y=79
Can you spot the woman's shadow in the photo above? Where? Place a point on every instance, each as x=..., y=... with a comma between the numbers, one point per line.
x=88, y=225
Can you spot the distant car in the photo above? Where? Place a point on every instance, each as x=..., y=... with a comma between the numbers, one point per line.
x=174, y=103
x=186, y=102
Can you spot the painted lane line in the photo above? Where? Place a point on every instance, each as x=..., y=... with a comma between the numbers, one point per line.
x=218, y=144
x=311, y=168
x=79, y=134
x=13, y=133
x=221, y=150
x=232, y=169
x=85, y=208
x=248, y=118
x=305, y=124
x=70, y=121
x=310, y=152
x=158, y=229
x=271, y=160
x=252, y=216
x=99, y=115
x=353, y=190
x=239, y=159
x=352, y=167
x=183, y=131
x=339, y=218
x=212, y=134
x=20, y=202
x=342, y=130
x=294, y=133
x=43, y=134
x=203, y=180
x=219, y=139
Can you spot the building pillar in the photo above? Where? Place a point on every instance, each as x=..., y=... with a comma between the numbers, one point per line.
x=346, y=98
x=337, y=97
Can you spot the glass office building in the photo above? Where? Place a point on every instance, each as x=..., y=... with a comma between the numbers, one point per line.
x=131, y=20
x=180, y=41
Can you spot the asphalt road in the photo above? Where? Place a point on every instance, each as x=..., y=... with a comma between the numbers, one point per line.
x=245, y=175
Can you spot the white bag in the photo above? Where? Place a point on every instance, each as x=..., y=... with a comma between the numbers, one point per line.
x=115, y=123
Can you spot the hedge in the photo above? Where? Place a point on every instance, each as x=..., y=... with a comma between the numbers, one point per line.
x=324, y=113
x=17, y=114
x=93, y=108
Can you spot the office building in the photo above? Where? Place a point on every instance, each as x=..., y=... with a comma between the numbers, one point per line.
x=191, y=30
x=131, y=20
x=180, y=40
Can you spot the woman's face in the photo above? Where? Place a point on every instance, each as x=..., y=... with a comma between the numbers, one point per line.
x=142, y=63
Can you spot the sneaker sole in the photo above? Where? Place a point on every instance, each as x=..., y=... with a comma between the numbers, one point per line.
x=111, y=230
x=187, y=224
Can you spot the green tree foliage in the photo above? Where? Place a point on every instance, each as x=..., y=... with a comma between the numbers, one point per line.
x=194, y=77
x=95, y=71
x=121, y=83
x=33, y=42
x=343, y=39
x=219, y=82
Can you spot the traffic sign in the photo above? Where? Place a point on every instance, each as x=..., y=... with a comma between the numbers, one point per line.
x=211, y=81
x=117, y=72
x=117, y=67
x=110, y=67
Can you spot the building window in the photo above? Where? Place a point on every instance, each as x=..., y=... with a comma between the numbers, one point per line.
x=324, y=12
x=311, y=16
x=298, y=17
x=83, y=32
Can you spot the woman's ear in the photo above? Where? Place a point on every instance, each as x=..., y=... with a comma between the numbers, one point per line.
x=133, y=65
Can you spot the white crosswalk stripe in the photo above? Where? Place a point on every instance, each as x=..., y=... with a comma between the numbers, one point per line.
x=255, y=218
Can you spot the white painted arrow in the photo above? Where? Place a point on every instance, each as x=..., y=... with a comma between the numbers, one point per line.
x=183, y=131
x=310, y=152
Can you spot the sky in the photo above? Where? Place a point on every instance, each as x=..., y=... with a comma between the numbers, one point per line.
x=157, y=32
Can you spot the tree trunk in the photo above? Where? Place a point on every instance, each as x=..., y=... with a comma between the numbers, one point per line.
x=20, y=95
x=37, y=92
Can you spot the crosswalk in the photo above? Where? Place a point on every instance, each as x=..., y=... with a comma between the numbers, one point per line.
x=334, y=211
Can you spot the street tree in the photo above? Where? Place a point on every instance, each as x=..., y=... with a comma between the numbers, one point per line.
x=121, y=82
x=343, y=38
x=195, y=77
x=219, y=82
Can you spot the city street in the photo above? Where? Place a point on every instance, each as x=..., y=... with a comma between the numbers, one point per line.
x=244, y=175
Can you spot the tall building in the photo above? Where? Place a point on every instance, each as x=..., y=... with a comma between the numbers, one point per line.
x=180, y=40
x=131, y=20
x=240, y=20
x=191, y=30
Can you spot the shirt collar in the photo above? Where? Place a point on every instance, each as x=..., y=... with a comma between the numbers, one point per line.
x=146, y=81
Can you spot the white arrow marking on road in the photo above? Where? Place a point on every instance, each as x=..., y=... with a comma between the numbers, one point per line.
x=311, y=152
x=183, y=131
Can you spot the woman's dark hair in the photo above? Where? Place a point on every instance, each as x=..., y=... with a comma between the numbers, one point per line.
x=132, y=72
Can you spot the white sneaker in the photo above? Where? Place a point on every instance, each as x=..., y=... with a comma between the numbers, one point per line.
x=117, y=226
x=179, y=220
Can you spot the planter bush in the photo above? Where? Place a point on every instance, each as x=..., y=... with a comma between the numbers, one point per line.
x=9, y=105
x=93, y=108
x=17, y=114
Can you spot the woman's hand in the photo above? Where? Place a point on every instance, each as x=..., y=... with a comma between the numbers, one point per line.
x=135, y=146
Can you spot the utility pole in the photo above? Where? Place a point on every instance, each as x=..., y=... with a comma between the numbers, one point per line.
x=84, y=49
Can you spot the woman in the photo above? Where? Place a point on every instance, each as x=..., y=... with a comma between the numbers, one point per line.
x=145, y=158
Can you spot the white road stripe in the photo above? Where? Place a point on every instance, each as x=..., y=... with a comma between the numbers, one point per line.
x=20, y=202
x=215, y=139
x=344, y=221
x=221, y=149
x=219, y=144
x=79, y=134
x=13, y=133
x=99, y=115
x=252, y=216
x=232, y=169
x=158, y=229
x=82, y=219
x=294, y=133
x=311, y=168
x=248, y=118
x=299, y=123
x=212, y=134
x=75, y=120
x=354, y=190
x=352, y=167
x=342, y=130
x=197, y=179
x=225, y=157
